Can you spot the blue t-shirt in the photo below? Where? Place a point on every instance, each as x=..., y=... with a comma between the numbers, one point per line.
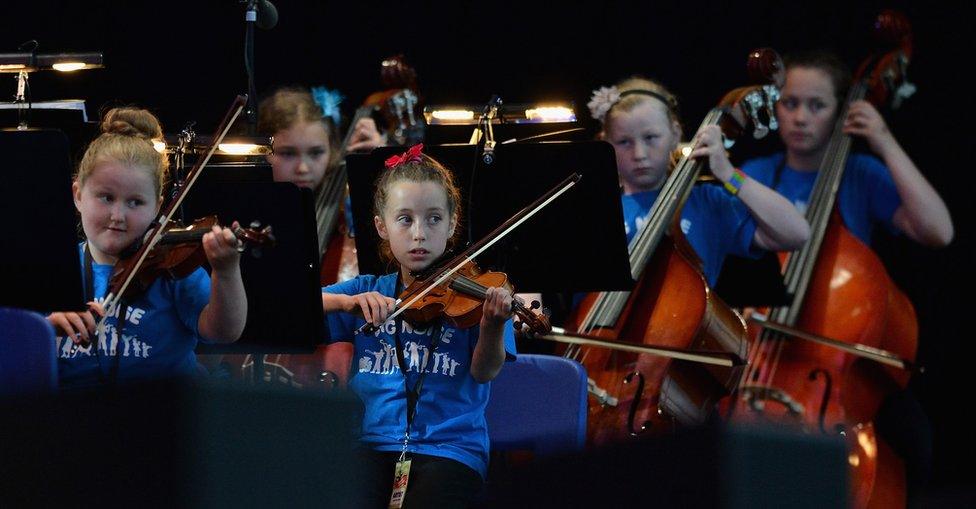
x=450, y=414
x=715, y=222
x=867, y=195
x=158, y=336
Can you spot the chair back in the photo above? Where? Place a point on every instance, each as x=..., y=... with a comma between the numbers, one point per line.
x=28, y=353
x=538, y=403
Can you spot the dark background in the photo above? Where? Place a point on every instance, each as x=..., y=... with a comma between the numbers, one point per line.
x=184, y=61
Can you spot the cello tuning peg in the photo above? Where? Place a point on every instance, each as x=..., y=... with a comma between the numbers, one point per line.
x=535, y=305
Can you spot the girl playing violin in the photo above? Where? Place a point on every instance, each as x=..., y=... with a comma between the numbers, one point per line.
x=890, y=191
x=640, y=119
x=439, y=420
x=118, y=192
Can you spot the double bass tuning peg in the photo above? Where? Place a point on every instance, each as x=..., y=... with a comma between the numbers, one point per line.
x=755, y=102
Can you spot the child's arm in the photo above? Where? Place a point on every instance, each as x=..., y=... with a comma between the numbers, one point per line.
x=222, y=319
x=489, y=352
x=780, y=226
x=923, y=216
x=373, y=306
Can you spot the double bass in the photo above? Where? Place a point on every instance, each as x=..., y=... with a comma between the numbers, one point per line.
x=850, y=333
x=671, y=305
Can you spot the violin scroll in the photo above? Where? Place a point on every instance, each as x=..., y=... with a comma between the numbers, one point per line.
x=255, y=237
x=527, y=321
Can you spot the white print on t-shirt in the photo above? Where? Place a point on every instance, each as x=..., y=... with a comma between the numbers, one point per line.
x=801, y=206
x=109, y=343
x=416, y=356
x=640, y=220
x=390, y=328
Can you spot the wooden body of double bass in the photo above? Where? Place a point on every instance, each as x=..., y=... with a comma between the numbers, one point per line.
x=672, y=306
x=824, y=390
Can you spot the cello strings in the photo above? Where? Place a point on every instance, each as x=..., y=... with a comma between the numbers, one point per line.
x=800, y=265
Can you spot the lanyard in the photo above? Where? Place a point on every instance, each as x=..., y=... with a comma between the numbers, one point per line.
x=413, y=393
x=89, y=275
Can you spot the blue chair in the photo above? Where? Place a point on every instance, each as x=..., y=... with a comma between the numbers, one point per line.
x=538, y=403
x=28, y=353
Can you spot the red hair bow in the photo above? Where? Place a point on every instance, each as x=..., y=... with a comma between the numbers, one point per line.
x=412, y=155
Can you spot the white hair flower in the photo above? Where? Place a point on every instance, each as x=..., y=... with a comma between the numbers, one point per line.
x=602, y=100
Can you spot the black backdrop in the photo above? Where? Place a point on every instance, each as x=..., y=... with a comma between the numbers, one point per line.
x=184, y=61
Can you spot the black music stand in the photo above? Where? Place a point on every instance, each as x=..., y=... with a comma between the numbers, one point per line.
x=551, y=131
x=576, y=244
x=283, y=293
x=40, y=265
x=747, y=282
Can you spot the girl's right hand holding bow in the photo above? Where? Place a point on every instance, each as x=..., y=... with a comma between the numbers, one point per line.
x=373, y=306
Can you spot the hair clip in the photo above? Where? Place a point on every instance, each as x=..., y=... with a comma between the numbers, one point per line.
x=329, y=101
x=602, y=100
x=412, y=155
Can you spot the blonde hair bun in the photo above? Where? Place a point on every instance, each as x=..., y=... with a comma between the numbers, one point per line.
x=134, y=122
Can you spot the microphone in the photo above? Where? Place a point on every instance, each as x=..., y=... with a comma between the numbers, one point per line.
x=263, y=13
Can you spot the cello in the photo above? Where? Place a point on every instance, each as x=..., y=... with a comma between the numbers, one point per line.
x=841, y=294
x=671, y=305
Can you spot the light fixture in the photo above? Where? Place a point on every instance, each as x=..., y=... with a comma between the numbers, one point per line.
x=448, y=116
x=543, y=113
x=16, y=62
x=243, y=149
x=65, y=62
x=550, y=113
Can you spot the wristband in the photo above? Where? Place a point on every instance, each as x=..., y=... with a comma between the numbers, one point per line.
x=735, y=183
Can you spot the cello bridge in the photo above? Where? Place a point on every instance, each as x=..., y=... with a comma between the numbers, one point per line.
x=757, y=396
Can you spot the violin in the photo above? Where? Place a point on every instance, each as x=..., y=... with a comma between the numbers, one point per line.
x=179, y=252
x=458, y=300
x=824, y=362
